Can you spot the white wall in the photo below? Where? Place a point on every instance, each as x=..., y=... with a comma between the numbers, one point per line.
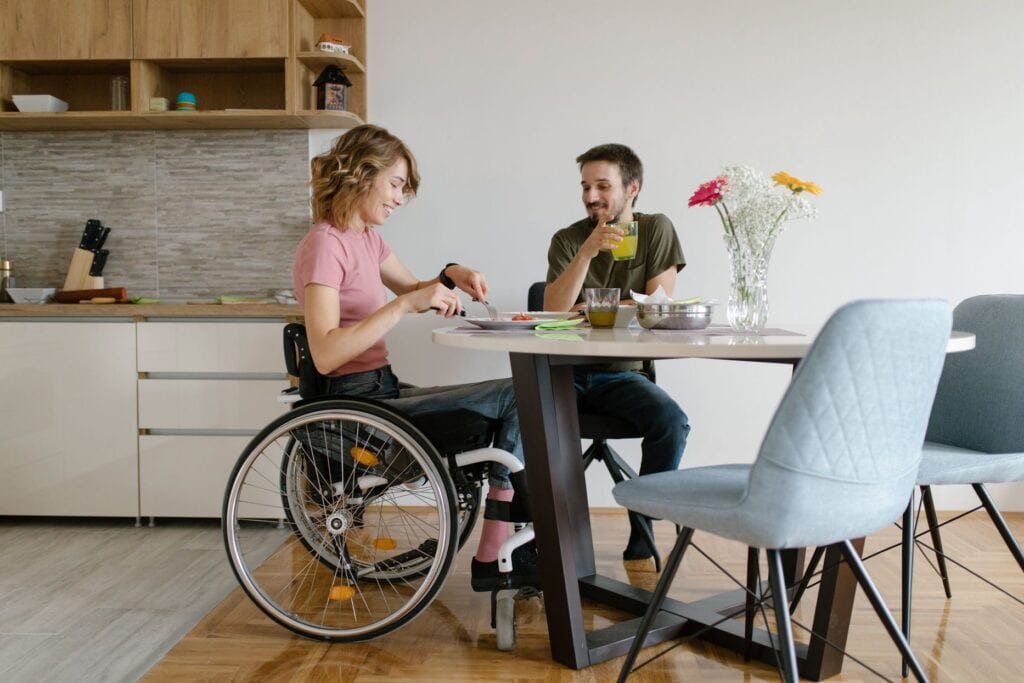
x=909, y=114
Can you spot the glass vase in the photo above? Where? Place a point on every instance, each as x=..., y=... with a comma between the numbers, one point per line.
x=748, y=295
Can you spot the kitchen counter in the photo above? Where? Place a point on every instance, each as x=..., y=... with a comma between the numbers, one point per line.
x=147, y=311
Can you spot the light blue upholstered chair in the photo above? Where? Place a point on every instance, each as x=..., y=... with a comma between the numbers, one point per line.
x=839, y=459
x=976, y=431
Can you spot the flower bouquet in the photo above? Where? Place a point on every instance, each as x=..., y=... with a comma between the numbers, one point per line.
x=753, y=209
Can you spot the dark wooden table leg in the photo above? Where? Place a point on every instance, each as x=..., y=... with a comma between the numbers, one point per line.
x=831, y=616
x=558, y=498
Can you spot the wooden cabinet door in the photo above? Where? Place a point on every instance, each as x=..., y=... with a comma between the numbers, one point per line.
x=59, y=29
x=192, y=29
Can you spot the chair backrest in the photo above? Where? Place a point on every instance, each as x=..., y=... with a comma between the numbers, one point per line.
x=535, y=302
x=299, y=362
x=980, y=400
x=840, y=457
x=535, y=297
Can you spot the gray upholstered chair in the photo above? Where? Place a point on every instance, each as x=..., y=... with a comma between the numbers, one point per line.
x=839, y=459
x=976, y=431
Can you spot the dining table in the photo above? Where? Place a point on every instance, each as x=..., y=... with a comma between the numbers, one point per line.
x=542, y=365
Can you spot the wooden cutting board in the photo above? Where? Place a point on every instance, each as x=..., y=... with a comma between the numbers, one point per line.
x=73, y=296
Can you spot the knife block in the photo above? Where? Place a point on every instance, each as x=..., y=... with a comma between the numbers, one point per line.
x=78, y=272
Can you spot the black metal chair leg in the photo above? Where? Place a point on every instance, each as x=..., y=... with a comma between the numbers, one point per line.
x=854, y=561
x=671, y=566
x=787, y=647
x=907, y=574
x=812, y=567
x=1000, y=523
x=748, y=625
x=591, y=453
x=933, y=528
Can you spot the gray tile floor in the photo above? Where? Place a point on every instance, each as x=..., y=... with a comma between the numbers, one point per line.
x=101, y=600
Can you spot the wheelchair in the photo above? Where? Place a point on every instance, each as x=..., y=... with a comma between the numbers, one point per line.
x=342, y=517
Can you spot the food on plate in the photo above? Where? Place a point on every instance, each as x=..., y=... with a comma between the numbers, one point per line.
x=522, y=316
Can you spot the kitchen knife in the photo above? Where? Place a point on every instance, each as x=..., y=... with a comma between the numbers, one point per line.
x=91, y=235
x=101, y=240
x=98, y=261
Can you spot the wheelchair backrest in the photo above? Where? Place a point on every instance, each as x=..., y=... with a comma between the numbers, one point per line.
x=299, y=361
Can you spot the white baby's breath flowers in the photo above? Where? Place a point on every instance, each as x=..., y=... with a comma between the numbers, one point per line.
x=755, y=208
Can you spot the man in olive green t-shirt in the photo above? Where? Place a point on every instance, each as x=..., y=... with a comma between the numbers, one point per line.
x=580, y=257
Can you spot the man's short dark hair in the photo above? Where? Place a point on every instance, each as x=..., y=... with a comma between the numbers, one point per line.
x=626, y=159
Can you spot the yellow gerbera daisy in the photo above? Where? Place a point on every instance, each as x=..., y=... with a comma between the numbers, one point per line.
x=795, y=184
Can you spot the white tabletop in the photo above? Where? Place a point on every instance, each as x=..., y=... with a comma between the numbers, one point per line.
x=627, y=343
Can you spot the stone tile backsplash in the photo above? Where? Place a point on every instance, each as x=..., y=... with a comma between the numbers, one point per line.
x=192, y=213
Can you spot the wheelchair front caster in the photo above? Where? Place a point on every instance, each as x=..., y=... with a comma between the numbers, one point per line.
x=503, y=613
x=505, y=622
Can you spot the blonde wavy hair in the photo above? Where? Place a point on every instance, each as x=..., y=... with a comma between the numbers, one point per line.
x=345, y=174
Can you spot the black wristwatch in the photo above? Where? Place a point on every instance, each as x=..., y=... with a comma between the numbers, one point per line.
x=444, y=279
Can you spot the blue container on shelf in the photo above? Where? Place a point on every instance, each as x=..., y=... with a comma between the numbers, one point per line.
x=186, y=101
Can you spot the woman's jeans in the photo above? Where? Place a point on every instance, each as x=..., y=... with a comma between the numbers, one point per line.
x=493, y=399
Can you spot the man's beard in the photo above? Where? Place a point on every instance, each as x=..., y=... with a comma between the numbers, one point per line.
x=594, y=220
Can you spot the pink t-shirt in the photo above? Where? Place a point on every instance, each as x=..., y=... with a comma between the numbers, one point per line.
x=350, y=263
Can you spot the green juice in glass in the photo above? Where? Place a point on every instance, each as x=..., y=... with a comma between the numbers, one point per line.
x=602, y=318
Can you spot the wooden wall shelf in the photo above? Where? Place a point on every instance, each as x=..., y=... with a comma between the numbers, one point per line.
x=320, y=9
x=122, y=120
x=319, y=59
x=239, y=82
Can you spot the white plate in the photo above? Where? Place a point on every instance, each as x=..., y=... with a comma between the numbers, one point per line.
x=542, y=315
x=488, y=324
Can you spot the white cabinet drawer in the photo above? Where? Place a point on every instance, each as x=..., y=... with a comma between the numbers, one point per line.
x=229, y=347
x=185, y=476
x=209, y=403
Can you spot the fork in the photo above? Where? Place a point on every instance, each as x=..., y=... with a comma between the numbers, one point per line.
x=491, y=311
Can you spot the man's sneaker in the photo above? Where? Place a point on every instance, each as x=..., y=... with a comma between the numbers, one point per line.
x=525, y=571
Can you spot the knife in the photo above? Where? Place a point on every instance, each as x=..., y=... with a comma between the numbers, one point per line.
x=98, y=261
x=91, y=233
x=102, y=238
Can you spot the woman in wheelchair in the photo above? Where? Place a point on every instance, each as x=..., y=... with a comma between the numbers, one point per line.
x=341, y=271
x=343, y=516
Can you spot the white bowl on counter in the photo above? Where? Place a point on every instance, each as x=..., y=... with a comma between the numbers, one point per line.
x=39, y=103
x=31, y=295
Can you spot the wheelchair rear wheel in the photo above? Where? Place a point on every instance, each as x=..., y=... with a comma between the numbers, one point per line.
x=371, y=521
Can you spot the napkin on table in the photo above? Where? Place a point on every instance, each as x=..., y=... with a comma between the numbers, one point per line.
x=659, y=296
x=559, y=324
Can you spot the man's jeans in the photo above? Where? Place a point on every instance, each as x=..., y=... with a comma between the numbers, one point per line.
x=494, y=399
x=634, y=398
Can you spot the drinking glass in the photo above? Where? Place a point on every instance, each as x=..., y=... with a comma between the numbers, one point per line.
x=602, y=305
x=626, y=249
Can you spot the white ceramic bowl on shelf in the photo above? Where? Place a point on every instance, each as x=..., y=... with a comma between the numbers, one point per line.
x=39, y=103
x=31, y=295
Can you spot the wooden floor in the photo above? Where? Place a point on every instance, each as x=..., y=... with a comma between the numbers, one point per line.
x=976, y=636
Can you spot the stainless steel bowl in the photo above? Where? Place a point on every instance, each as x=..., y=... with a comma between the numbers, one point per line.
x=674, y=316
